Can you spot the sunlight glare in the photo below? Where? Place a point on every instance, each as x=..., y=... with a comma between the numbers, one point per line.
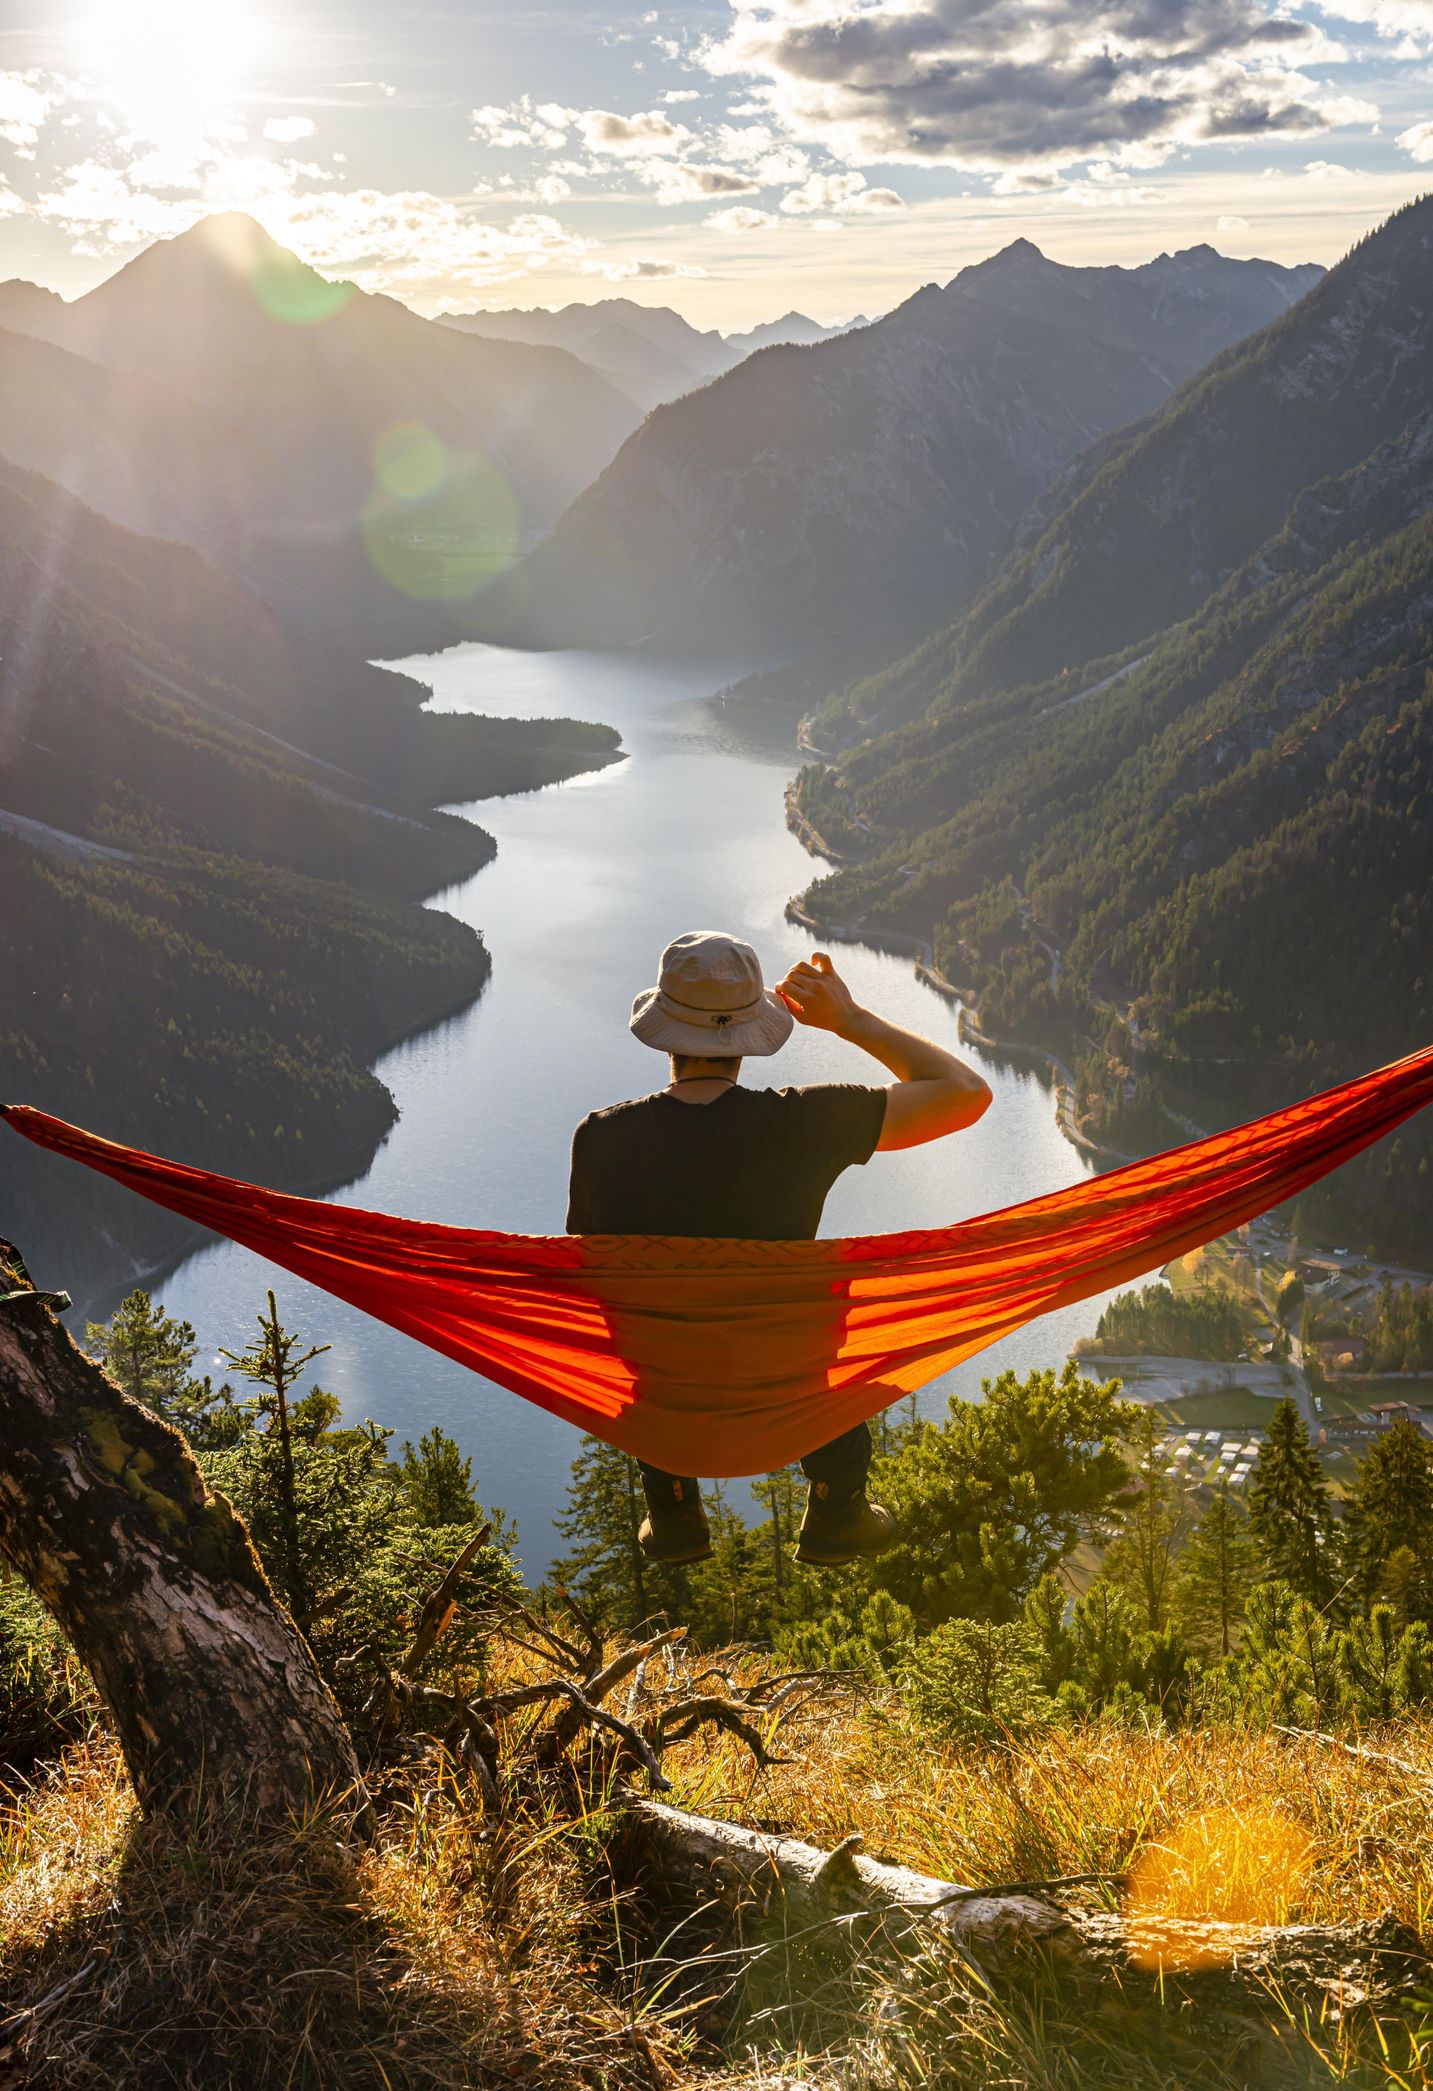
x=167, y=56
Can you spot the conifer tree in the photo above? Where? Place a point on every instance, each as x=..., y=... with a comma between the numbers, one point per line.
x=1154, y=1519
x=1289, y=1506
x=1216, y=1572
x=1390, y=1512
x=605, y=1564
x=150, y=1356
x=438, y=1481
x=274, y=1361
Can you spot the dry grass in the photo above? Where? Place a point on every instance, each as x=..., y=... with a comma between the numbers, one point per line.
x=1068, y=1800
x=439, y=1957
x=447, y=1954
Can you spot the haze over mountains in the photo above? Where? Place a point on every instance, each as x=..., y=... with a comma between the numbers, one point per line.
x=212, y=834
x=648, y=351
x=351, y=461
x=1185, y=738
x=861, y=485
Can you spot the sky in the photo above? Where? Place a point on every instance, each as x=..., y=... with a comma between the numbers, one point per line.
x=734, y=159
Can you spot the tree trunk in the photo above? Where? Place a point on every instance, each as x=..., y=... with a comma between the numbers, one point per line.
x=106, y=1516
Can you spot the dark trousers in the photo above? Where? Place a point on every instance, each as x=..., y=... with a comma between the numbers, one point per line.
x=842, y=1466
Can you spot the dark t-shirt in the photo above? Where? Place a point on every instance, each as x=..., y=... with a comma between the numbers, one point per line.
x=755, y=1163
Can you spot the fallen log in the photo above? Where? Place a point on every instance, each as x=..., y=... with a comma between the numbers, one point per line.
x=777, y=1890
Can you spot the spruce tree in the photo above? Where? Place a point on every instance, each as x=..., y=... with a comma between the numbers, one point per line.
x=438, y=1481
x=1216, y=1572
x=1153, y=1521
x=150, y=1356
x=1390, y=1512
x=1289, y=1506
x=605, y=1565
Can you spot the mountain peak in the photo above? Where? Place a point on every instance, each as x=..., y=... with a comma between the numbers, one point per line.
x=1020, y=254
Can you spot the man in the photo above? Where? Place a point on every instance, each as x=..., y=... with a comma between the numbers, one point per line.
x=706, y=1157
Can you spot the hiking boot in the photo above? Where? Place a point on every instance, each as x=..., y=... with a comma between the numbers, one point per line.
x=675, y=1529
x=837, y=1530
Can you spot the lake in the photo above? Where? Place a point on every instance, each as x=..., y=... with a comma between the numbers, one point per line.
x=592, y=878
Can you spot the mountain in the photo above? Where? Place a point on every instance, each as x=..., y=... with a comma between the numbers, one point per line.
x=794, y=328
x=859, y=487
x=213, y=836
x=649, y=351
x=350, y=460
x=1164, y=796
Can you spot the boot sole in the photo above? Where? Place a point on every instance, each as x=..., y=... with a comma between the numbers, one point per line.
x=815, y=1560
x=702, y=1553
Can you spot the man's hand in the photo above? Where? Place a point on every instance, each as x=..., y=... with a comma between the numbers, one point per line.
x=818, y=996
x=934, y=1093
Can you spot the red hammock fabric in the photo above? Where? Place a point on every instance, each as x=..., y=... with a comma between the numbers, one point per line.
x=736, y=1357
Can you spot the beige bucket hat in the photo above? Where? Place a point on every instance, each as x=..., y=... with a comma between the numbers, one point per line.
x=710, y=1000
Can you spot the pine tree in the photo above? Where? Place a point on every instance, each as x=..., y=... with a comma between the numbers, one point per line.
x=1289, y=1505
x=606, y=1566
x=438, y=1481
x=150, y=1356
x=1216, y=1572
x=1390, y=1511
x=1141, y=1557
x=275, y=1361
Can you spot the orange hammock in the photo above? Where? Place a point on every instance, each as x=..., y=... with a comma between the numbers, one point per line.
x=736, y=1357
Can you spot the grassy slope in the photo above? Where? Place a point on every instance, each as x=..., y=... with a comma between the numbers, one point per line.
x=448, y=1955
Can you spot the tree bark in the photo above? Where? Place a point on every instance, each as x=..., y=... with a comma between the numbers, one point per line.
x=105, y=1514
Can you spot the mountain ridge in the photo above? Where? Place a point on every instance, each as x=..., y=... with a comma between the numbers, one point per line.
x=862, y=483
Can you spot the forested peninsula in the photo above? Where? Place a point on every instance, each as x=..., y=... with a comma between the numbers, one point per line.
x=214, y=836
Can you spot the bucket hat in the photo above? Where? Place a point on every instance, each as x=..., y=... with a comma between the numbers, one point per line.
x=710, y=999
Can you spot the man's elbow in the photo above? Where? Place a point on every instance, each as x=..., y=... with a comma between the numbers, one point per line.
x=975, y=1102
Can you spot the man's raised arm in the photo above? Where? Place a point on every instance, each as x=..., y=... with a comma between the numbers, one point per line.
x=934, y=1093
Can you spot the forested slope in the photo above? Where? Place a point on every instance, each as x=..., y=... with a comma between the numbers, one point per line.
x=211, y=839
x=1202, y=854
x=857, y=489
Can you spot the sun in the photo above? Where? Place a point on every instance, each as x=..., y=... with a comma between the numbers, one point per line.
x=170, y=56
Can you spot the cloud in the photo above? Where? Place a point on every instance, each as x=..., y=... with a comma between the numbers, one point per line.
x=287, y=130
x=1418, y=141
x=839, y=192
x=683, y=181
x=26, y=100
x=100, y=211
x=741, y=218
x=523, y=123
x=987, y=85
x=628, y=137
x=1227, y=224
x=1390, y=18
x=415, y=242
x=638, y=271
x=680, y=94
x=551, y=188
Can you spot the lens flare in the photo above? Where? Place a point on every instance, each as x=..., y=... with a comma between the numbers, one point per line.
x=289, y=290
x=1218, y=1876
x=409, y=461
x=439, y=524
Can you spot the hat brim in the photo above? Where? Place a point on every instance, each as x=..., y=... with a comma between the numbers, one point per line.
x=764, y=1032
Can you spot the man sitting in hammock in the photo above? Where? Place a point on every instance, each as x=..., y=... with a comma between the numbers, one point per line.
x=706, y=1157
